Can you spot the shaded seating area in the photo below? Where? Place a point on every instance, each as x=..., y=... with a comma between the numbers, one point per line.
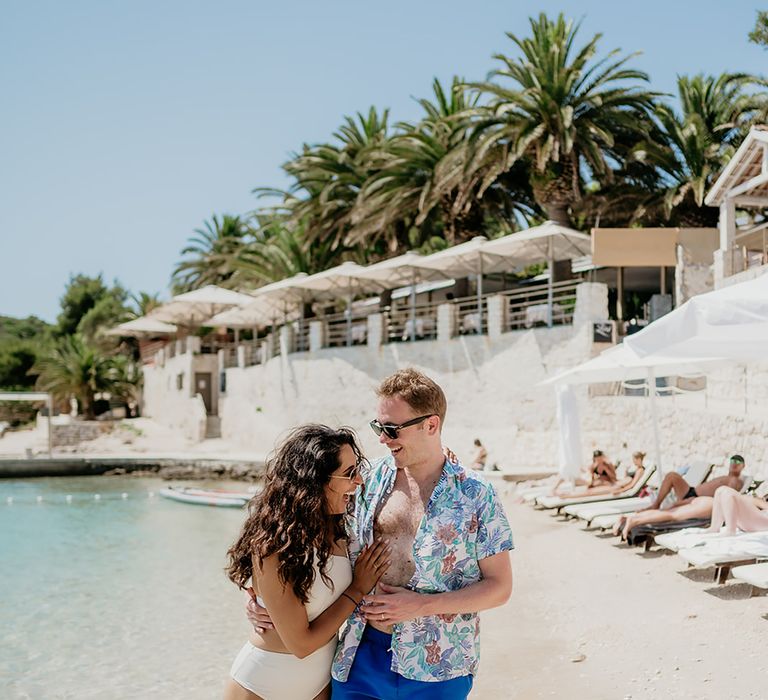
x=469, y=289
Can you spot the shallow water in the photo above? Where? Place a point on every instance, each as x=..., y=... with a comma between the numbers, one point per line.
x=116, y=597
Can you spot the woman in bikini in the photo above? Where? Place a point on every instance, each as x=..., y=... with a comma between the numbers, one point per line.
x=292, y=550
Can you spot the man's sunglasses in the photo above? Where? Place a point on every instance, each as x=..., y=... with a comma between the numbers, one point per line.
x=391, y=430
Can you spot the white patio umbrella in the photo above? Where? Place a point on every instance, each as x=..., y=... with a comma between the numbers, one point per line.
x=549, y=241
x=469, y=258
x=192, y=308
x=619, y=364
x=731, y=322
x=141, y=327
x=345, y=278
x=406, y=269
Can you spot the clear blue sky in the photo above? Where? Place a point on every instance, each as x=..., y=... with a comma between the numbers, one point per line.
x=126, y=124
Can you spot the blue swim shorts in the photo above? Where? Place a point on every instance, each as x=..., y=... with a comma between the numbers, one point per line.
x=371, y=676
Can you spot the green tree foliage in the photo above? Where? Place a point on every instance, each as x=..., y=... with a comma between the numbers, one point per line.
x=559, y=130
x=560, y=110
x=21, y=340
x=75, y=368
x=89, y=306
x=211, y=254
x=759, y=34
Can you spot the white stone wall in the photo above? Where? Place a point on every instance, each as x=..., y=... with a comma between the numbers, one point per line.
x=178, y=409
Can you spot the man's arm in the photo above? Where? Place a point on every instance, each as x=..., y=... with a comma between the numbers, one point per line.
x=397, y=604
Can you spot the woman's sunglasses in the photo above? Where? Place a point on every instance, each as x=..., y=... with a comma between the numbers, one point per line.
x=352, y=474
x=391, y=430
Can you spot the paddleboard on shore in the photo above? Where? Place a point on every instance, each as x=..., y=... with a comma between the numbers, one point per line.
x=207, y=497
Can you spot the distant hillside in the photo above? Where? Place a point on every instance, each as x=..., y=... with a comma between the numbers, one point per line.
x=22, y=328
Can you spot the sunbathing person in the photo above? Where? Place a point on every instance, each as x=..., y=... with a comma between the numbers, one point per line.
x=736, y=511
x=600, y=473
x=685, y=492
x=695, y=502
x=621, y=486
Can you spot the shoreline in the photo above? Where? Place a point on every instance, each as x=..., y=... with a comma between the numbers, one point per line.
x=190, y=467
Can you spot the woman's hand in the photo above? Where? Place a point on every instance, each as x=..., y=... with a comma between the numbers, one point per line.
x=450, y=455
x=370, y=566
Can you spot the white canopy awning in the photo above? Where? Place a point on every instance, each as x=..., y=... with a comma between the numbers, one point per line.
x=540, y=243
x=194, y=307
x=620, y=364
x=142, y=326
x=731, y=323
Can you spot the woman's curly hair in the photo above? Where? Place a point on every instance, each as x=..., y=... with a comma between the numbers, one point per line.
x=290, y=516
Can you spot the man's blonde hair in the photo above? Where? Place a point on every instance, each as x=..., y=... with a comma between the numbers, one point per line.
x=421, y=393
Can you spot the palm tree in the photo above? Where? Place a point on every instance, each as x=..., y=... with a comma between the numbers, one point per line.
x=400, y=197
x=73, y=368
x=143, y=303
x=558, y=110
x=695, y=143
x=328, y=177
x=280, y=248
x=211, y=254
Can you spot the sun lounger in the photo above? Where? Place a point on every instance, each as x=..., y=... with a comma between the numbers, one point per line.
x=549, y=502
x=727, y=552
x=646, y=534
x=590, y=511
x=753, y=574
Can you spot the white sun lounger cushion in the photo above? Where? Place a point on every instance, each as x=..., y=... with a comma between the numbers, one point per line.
x=588, y=511
x=751, y=545
x=754, y=574
x=558, y=502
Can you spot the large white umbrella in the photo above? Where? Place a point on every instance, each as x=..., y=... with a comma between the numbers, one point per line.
x=549, y=241
x=731, y=322
x=192, y=308
x=342, y=279
x=409, y=269
x=469, y=258
x=141, y=327
x=619, y=364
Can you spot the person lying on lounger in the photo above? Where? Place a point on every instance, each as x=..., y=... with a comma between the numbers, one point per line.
x=600, y=473
x=685, y=492
x=694, y=502
x=734, y=511
x=616, y=489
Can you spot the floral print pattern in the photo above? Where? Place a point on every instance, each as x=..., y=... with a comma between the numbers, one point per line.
x=464, y=523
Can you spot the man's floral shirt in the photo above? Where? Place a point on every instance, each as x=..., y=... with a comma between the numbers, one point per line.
x=464, y=523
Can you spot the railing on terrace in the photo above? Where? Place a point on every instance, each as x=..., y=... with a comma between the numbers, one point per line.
x=525, y=308
x=402, y=324
x=529, y=307
x=340, y=332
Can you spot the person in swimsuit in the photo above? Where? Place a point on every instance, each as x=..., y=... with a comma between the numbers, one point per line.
x=293, y=549
x=694, y=502
x=616, y=489
x=685, y=492
x=481, y=454
x=733, y=511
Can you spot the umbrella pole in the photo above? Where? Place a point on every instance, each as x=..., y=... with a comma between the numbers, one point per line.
x=655, y=420
x=413, y=308
x=349, y=316
x=550, y=291
x=480, y=298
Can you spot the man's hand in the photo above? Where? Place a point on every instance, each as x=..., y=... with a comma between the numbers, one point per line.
x=393, y=604
x=256, y=614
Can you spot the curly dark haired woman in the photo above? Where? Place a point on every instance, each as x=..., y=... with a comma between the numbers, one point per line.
x=293, y=549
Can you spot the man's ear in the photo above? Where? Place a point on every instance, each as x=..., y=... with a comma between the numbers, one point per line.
x=434, y=425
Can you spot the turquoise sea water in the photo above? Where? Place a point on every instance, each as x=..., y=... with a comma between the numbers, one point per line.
x=115, y=597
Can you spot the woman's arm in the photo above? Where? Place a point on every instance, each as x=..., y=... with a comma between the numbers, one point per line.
x=289, y=616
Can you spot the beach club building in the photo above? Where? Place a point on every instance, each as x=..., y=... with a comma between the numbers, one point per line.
x=313, y=347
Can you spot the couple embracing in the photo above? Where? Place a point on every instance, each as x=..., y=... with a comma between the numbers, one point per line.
x=405, y=552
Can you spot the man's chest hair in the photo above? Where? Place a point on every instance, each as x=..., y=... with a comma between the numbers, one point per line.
x=400, y=514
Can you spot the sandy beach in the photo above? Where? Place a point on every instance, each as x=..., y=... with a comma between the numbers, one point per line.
x=589, y=617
